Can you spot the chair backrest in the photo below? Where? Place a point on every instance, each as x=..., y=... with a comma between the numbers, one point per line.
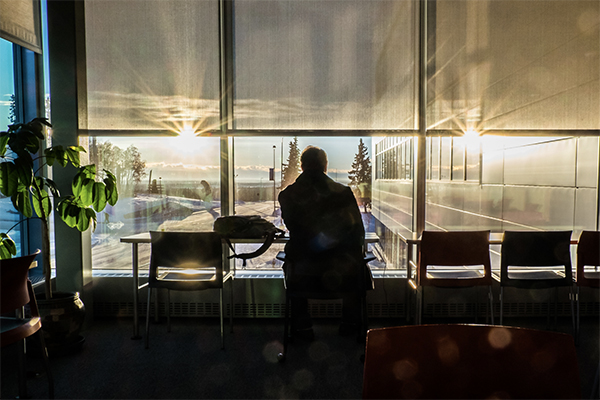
x=454, y=249
x=588, y=253
x=536, y=249
x=186, y=251
x=469, y=361
x=13, y=282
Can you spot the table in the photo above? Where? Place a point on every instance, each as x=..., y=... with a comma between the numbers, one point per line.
x=144, y=237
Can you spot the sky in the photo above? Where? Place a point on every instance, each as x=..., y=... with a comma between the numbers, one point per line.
x=6, y=82
x=197, y=158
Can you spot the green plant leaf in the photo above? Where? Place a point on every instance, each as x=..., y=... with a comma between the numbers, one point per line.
x=4, y=136
x=22, y=202
x=99, y=196
x=89, y=170
x=24, y=165
x=9, y=179
x=56, y=154
x=50, y=157
x=86, y=195
x=30, y=140
x=73, y=156
x=8, y=248
x=52, y=186
x=36, y=127
x=83, y=221
x=68, y=211
x=112, y=194
x=91, y=215
x=43, y=121
x=77, y=183
x=42, y=205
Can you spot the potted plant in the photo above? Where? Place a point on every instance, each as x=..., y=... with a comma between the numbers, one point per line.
x=22, y=161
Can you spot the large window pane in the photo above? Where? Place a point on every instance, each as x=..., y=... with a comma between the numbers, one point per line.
x=256, y=194
x=164, y=184
x=8, y=215
x=152, y=64
x=506, y=64
x=324, y=64
x=527, y=183
x=393, y=197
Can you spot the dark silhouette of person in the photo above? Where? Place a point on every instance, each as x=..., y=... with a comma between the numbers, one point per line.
x=326, y=246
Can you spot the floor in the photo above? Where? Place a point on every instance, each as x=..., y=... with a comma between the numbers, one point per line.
x=188, y=362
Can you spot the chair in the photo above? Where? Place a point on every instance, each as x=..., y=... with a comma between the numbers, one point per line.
x=185, y=261
x=588, y=254
x=469, y=362
x=536, y=260
x=16, y=292
x=294, y=287
x=453, y=260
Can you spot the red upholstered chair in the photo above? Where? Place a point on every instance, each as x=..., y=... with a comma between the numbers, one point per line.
x=536, y=260
x=469, y=362
x=588, y=255
x=454, y=260
x=185, y=261
x=16, y=292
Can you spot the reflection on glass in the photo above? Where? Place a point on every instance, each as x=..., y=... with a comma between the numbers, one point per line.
x=526, y=183
x=167, y=183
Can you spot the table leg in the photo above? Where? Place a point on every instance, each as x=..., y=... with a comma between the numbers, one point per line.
x=136, y=279
x=408, y=297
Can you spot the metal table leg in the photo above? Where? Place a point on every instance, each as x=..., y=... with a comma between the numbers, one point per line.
x=135, y=269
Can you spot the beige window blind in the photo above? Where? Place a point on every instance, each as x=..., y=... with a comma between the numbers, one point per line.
x=20, y=23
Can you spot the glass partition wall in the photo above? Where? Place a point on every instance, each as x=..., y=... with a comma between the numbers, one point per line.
x=204, y=106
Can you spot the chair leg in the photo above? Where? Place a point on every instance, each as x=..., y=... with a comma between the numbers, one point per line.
x=221, y=316
x=148, y=316
x=501, y=305
x=420, y=299
x=491, y=298
x=22, y=373
x=156, y=307
x=286, y=322
x=572, y=301
x=577, y=326
x=231, y=305
x=168, y=310
x=555, y=307
x=39, y=335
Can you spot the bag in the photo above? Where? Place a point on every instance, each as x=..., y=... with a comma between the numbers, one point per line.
x=246, y=227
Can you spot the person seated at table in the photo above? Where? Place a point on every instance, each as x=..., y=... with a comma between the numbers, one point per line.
x=326, y=244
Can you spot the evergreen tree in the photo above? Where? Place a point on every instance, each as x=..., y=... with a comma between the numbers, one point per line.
x=360, y=174
x=12, y=109
x=291, y=170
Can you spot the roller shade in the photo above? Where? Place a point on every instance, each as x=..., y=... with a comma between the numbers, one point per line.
x=20, y=23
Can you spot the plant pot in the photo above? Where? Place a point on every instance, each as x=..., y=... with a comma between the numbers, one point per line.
x=62, y=319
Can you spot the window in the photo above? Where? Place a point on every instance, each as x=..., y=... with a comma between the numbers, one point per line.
x=169, y=183
x=256, y=194
x=324, y=64
x=8, y=115
x=152, y=65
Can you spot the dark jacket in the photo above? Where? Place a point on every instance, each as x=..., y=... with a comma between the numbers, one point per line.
x=325, y=228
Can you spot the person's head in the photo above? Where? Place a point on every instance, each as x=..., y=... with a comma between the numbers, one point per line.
x=313, y=159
